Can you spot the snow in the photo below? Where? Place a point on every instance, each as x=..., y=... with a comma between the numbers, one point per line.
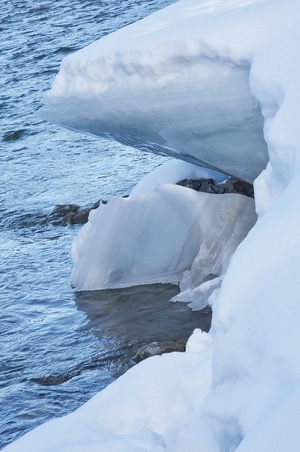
x=237, y=387
x=174, y=171
x=135, y=409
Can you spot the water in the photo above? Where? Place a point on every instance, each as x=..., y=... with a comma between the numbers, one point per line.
x=59, y=348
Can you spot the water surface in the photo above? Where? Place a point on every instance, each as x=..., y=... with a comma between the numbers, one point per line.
x=58, y=348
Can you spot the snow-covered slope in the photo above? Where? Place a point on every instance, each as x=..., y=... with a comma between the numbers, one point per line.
x=237, y=387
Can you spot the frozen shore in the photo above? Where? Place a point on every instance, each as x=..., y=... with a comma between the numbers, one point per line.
x=235, y=388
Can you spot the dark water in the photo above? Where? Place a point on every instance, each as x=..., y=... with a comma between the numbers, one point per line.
x=58, y=348
x=139, y=315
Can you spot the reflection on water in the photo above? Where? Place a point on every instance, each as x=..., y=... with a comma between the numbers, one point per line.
x=135, y=316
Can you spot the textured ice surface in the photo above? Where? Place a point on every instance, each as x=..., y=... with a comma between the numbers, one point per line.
x=158, y=236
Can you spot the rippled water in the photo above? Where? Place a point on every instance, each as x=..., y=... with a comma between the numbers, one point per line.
x=59, y=348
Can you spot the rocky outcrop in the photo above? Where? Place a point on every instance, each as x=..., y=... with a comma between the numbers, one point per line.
x=231, y=185
x=64, y=214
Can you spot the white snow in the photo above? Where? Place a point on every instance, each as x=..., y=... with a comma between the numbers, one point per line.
x=236, y=388
x=174, y=171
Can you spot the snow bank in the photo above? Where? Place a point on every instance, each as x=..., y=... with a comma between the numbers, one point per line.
x=133, y=413
x=238, y=387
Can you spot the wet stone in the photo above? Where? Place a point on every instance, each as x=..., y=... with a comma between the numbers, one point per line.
x=158, y=348
x=231, y=185
x=64, y=214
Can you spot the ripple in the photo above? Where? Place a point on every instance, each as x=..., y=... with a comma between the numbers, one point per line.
x=53, y=357
x=13, y=135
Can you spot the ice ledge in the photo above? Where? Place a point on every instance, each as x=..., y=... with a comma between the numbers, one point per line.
x=209, y=118
x=165, y=93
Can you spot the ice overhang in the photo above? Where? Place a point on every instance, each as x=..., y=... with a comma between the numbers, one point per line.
x=204, y=114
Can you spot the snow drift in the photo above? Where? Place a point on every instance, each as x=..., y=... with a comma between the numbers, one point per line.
x=236, y=388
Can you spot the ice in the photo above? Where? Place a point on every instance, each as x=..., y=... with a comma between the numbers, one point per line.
x=237, y=388
x=180, y=100
x=215, y=123
x=156, y=237
x=174, y=171
x=200, y=296
x=133, y=413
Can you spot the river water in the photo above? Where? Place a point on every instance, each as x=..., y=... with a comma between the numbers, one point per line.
x=59, y=348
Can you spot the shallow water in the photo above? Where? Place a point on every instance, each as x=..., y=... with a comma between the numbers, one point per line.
x=137, y=316
x=59, y=348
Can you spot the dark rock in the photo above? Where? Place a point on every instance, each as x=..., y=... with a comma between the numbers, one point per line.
x=158, y=348
x=244, y=188
x=63, y=209
x=64, y=214
x=231, y=185
x=82, y=216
